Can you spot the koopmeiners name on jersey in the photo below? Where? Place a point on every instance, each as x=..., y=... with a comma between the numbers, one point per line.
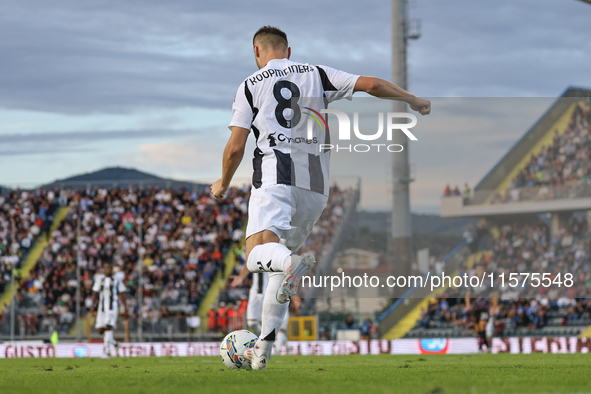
x=296, y=68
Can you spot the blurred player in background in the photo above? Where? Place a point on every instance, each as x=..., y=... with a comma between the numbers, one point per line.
x=254, y=309
x=291, y=174
x=109, y=289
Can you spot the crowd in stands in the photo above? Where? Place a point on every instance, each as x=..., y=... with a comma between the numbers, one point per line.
x=466, y=194
x=521, y=248
x=560, y=169
x=185, y=238
x=227, y=318
x=24, y=215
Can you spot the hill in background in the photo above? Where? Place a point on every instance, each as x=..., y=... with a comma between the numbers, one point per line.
x=121, y=177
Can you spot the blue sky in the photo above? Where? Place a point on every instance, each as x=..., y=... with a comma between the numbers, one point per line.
x=149, y=85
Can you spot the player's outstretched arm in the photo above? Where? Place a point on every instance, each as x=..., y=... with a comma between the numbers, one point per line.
x=383, y=89
x=233, y=154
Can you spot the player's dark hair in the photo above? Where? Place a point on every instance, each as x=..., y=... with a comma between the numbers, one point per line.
x=272, y=36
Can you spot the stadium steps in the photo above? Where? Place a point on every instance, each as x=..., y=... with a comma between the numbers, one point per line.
x=87, y=324
x=402, y=315
x=32, y=257
x=408, y=322
x=218, y=284
x=585, y=332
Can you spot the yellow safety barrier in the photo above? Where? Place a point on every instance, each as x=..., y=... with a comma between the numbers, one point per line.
x=302, y=328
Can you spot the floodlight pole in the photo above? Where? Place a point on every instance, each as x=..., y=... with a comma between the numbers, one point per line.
x=401, y=230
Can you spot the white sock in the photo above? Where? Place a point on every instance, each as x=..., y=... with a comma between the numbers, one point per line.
x=106, y=342
x=273, y=315
x=269, y=257
x=109, y=337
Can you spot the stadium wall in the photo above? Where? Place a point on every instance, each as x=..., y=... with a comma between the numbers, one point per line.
x=513, y=345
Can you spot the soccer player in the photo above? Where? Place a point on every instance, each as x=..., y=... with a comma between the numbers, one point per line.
x=290, y=180
x=109, y=289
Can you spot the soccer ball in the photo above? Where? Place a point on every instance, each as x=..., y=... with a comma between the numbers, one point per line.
x=234, y=345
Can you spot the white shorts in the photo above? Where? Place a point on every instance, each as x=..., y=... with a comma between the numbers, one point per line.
x=104, y=319
x=290, y=212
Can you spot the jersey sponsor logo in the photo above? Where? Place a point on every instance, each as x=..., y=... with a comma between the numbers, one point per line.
x=272, y=140
x=297, y=140
x=433, y=346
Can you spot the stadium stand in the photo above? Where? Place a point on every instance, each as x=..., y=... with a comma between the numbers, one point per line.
x=534, y=209
x=560, y=169
x=188, y=237
x=525, y=310
x=531, y=207
x=24, y=217
x=185, y=236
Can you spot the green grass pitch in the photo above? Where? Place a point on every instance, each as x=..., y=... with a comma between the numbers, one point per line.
x=483, y=373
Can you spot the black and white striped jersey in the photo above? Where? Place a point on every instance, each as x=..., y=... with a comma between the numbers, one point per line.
x=109, y=289
x=281, y=103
